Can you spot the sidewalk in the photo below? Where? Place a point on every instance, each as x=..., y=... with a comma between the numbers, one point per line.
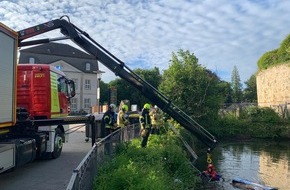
x=52, y=174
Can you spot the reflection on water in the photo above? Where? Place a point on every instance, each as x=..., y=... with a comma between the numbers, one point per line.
x=266, y=163
x=275, y=172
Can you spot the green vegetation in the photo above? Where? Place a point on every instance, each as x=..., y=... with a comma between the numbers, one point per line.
x=127, y=92
x=200, y=93
x=236, y=85
x=194, y=89
x=277, y=56
x=162, y=165
x=250, y=92
x=253, y=122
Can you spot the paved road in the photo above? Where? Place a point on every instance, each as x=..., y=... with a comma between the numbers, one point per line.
x=49, y=174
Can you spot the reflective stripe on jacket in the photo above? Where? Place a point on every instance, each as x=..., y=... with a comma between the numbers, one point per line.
x=108, y=119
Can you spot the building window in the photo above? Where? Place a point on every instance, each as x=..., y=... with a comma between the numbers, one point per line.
x=87, y=84
x=59, y=67
x=76, y=83
x=88, y=66
x=87, y=103
x=73, y=104
x=32, y=60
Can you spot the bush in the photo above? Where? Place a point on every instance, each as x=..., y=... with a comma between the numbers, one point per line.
x=229, y=127
x=268, y=59
x=256, y=114
x=254, y=122
x=162, y=165
x=284, y=50
x=277, y=56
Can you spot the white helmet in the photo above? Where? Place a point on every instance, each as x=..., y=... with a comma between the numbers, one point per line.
x=156, y=107
x=112, y=106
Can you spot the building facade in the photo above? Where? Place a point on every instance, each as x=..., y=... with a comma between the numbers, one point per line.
x=79, y=66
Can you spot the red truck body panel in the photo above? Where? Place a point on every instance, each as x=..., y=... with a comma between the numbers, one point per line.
x=38, y=91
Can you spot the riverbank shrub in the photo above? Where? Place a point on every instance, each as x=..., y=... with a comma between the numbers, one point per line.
x=256, y=114
x=229, y=127
x=253, y=122
x=161, y=165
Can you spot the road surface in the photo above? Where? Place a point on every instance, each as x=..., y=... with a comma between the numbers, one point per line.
x=52, y=174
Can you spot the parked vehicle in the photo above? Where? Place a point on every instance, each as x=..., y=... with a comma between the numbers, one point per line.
x=34, y=102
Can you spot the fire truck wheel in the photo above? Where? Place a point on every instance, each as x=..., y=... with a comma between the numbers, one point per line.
x=58, y=143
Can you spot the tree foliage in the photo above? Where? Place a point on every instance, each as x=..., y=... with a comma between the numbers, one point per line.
x=104, y=92
x=236, y=85
x=125, y=91
x=191, y=87
x=276, y=56
x=227, y=92
x=250, y=92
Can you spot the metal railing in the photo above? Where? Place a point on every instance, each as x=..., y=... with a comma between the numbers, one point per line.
x=102, y=151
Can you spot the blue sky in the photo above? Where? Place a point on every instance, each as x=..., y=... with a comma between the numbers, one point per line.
x=143, y=34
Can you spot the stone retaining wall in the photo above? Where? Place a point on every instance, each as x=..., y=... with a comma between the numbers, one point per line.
x=273, y=86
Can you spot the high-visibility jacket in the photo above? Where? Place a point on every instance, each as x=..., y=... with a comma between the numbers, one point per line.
x=155, y=117
x=121, y=119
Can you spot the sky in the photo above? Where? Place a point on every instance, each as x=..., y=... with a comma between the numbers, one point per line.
x=144, y=33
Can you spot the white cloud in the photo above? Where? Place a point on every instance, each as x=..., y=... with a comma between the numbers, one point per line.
x=143, y=34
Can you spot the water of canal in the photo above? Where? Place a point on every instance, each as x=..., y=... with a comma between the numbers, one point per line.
x=262, y=162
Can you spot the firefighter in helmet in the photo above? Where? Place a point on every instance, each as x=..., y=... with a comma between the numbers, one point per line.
x=122, y=120
x=145, y=122
x=108, y=120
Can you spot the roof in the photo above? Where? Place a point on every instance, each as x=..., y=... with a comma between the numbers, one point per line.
x=58, y=49
x=53, y=52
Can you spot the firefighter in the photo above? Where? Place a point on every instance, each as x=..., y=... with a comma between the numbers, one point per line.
x=108, y=120
x=145, y=122
x=123, y=122
x=156, y=116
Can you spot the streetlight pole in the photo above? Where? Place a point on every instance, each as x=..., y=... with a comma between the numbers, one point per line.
x=99, y=76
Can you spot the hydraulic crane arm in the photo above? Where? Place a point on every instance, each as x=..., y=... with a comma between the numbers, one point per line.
x=83, y=40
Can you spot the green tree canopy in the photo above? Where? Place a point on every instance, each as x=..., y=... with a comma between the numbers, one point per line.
x=250, y=92
x=125, y=91
x=104, y=92
x=191, y=87
x=236, y=85
x=276, y=56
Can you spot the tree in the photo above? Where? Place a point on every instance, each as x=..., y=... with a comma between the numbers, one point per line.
x=236, y=85
x=227, y=91
x=104, y=92
x=250, y=92
x=126, y=91
x=191, y=87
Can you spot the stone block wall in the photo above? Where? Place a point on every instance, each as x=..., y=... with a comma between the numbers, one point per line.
x=273, y=86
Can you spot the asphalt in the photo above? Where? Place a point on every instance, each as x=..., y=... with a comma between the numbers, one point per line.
x=53, y=174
